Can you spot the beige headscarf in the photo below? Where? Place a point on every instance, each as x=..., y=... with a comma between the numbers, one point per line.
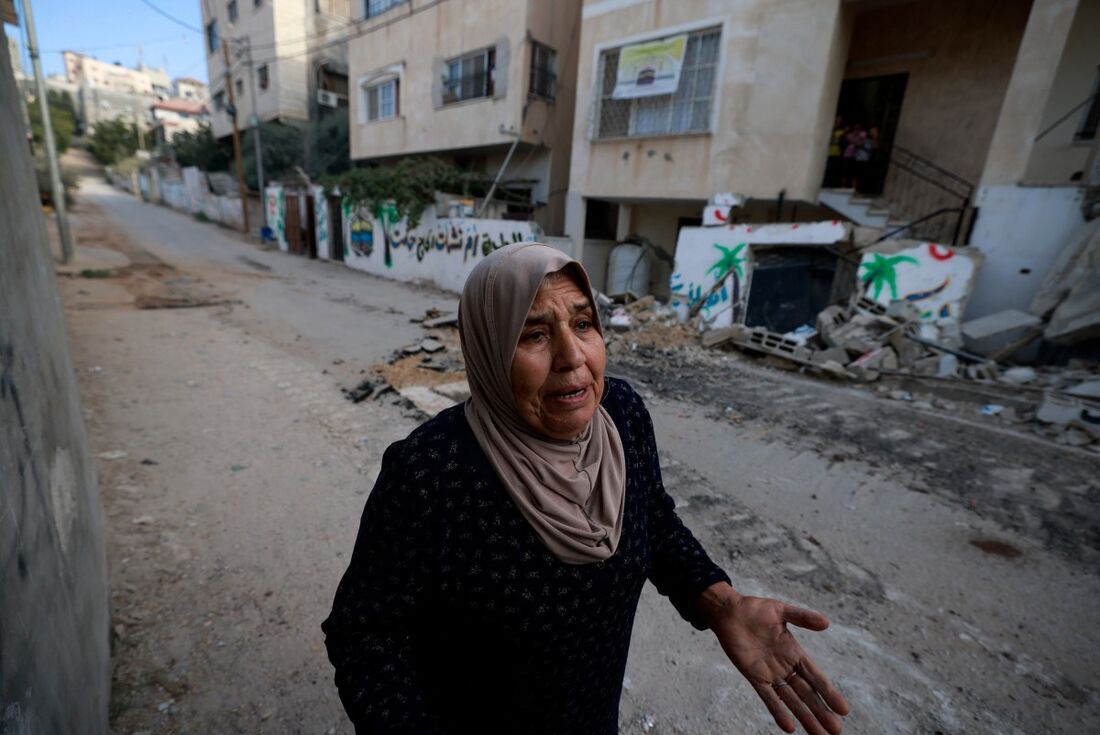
x=571, y=492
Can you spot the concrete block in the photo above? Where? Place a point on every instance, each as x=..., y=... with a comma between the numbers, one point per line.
x=986, y=335
x=1090, y=389
x=457, y=391
x=425, y=399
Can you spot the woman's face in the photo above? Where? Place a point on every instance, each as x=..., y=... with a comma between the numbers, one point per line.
x=557, y=369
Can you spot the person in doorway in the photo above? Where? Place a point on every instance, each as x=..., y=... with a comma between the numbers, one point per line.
x=503, y=549
x=853, y=143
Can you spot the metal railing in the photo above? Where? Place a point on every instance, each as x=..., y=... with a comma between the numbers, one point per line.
x=935, y=202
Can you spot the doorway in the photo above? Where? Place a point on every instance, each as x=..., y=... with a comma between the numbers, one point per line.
x=867, y=113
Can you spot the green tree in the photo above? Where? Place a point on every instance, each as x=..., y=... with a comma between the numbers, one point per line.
x=404, y=189
x=112, y=141
x=330, y=150
x=283, y=150
x=62, y=116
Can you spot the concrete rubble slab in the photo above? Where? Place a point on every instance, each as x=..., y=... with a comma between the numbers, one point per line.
x=1090, y=389
x=425, y=399
x=990, y=333
x=457, y=391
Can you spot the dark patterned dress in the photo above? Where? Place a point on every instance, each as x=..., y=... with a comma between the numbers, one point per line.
x=454, y=618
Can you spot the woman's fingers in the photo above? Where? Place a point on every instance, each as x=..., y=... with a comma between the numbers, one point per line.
x=810, y=697
x=775, y=706
x=798, y=708
x=804, y=618
x=836, y=701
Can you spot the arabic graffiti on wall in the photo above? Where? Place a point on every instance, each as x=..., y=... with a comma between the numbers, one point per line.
x=442, y=251
x=275, y=203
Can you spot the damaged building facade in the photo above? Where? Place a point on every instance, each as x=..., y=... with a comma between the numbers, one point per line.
x=981, y=117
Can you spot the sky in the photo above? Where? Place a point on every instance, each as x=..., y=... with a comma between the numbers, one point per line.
x=113, y=30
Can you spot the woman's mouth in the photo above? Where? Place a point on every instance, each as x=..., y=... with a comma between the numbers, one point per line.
x=571, y=395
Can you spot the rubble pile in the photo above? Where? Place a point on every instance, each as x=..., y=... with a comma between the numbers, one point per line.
x=866, y=342
x=643, y=323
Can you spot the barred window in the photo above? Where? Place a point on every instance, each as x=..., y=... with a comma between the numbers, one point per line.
x=469, y=76
x=543, y=81
x=686, y=111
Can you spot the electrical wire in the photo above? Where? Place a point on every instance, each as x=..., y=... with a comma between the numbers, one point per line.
x=172, y=18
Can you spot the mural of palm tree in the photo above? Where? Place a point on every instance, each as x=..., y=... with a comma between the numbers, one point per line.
x=882, y=271
x=730, y=262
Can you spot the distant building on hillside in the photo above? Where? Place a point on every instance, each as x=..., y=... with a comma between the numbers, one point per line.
x=172, y=117
x=194, y=90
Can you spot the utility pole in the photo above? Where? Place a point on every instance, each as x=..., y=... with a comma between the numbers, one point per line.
x=254, y=121
x=51, y=147
x=236, y=135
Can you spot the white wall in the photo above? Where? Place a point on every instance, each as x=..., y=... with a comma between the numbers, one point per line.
x=1021, y=230
x=438, y=251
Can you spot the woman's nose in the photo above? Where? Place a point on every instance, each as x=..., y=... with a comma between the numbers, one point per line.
x=568, y=354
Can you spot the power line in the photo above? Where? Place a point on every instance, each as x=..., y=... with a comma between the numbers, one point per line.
x=85, y=49
x=172, y=18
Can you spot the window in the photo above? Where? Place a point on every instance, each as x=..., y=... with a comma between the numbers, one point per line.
x=469, y=77
x=1091, y=121
x=380, y=101
x=212, y=36
x=240, y=87
x=219, y=101
x=257, y=3
x=543, y=79
x=261, y=76
x=377, y=7
x=687, y=110
x=231, y=8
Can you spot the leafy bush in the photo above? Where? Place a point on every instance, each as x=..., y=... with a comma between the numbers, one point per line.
x=201, y=149
x=62, y=116
x=112, y=141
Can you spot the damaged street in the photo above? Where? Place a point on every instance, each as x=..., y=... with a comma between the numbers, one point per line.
x=954, y=551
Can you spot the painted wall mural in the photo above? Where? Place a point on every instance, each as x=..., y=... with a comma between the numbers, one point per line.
x=714, y=264
x=937, y=279
x=323, y=226
x=442, y=251
x=275, y=203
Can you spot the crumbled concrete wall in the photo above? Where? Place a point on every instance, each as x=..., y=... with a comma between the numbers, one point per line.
x=54, y=616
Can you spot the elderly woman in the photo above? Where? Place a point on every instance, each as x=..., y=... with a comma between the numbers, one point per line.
x=502, y=552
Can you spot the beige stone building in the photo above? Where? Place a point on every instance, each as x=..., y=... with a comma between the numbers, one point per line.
x=288, y=59
x=958, y=98
x=486, y=84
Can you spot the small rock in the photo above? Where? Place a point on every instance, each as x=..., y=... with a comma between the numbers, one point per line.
x=431, y=345
x=1018, y=375
x=900, y=395
x=164, y=706
x=142, y=520
x=1074, y=438
x=112, y=455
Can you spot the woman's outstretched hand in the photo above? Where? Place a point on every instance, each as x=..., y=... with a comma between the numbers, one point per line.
x=753, y=633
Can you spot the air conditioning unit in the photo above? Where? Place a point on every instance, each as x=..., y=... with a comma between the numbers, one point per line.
x=327, y=98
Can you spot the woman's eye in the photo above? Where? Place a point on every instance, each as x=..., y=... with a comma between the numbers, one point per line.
x=584, y=324
x=535, y=337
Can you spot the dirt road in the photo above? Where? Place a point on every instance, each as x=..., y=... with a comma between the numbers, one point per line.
x=233, y=472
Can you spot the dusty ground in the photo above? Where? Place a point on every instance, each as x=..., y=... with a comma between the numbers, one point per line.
x=233, y=511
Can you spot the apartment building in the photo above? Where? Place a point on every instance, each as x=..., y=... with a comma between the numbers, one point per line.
x=679, y=101
x=486, y=84
x=193, y=90
x=172, y=117
x=288, y=59
x=88, y=71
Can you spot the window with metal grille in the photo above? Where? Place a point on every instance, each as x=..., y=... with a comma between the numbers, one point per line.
x=231, y=9
x=685, y=111
x=261, y=77
x=377, y=7
x=219, y=101
x=380, y=101
x=469, y=76
x=543, y=78
x=1091, y=121
x=212, y=36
